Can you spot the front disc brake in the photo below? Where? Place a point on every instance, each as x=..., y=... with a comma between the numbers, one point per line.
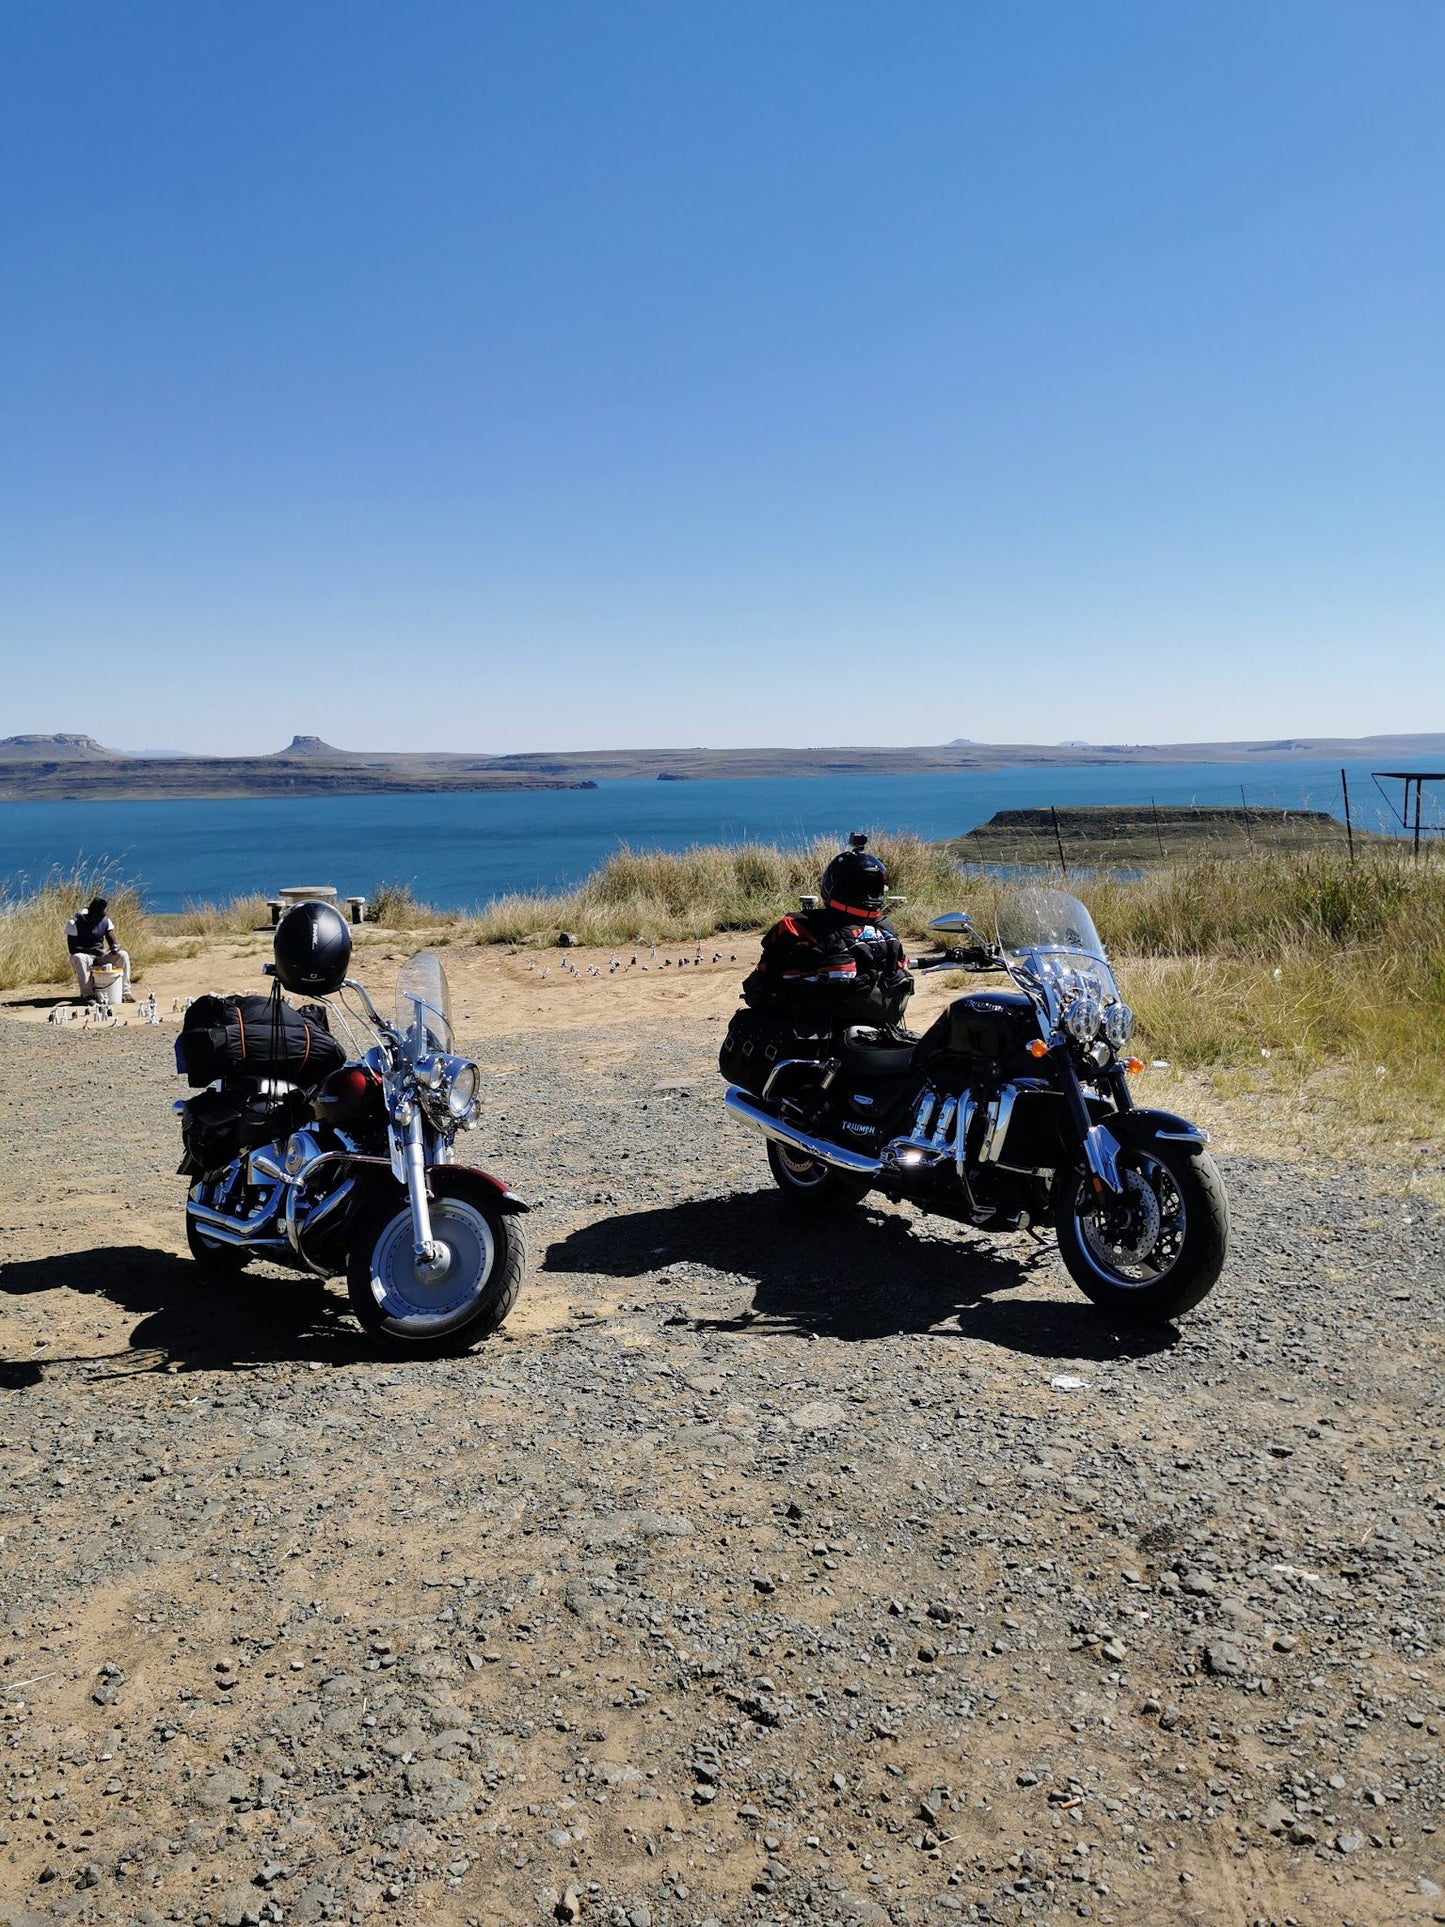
x=1129, y=1227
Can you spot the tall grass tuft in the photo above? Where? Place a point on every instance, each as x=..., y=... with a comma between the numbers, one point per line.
x=33, y=920
x=396, y=906
x=669, y=896
x=238, y=917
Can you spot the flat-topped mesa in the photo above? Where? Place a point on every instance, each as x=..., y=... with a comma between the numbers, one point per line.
x=311, y=748
x=52, y=748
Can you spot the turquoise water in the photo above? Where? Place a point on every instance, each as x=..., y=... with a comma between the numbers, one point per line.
x=463, y=850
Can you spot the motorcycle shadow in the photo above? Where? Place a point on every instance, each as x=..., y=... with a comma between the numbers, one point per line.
x=865, y=1275
x=188, y=1321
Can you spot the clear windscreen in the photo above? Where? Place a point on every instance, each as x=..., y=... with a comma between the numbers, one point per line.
x=423, y=1006
x=1050, y=937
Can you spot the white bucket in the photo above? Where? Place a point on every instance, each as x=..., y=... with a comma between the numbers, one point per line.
x=108, y=983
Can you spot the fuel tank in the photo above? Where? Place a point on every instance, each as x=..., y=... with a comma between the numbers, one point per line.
x=992, y=1029
x=348, y=1098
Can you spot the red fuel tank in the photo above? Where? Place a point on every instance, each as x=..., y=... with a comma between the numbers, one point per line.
x=348, y=1097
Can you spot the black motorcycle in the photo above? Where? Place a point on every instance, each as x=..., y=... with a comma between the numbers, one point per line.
x=300, y=1157
x=1012, y=1111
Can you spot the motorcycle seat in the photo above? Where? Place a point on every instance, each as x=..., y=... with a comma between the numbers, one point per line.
x=877, y=1053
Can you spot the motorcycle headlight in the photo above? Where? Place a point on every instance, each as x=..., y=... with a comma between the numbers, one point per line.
x=462, y=1091
x=1083, y=1017
x=1118, y=1024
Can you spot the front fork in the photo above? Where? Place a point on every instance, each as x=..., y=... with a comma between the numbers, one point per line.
x=1100, y=1147
x=431, y=1257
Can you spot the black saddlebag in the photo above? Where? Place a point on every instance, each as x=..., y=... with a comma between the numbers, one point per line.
x=757, y=1040
x=229, y=1037
x=217, y=1126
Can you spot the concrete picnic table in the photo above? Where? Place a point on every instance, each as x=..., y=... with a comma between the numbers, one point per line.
x=287, y=899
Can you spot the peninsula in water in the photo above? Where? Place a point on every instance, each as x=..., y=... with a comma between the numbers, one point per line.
x=52, y=768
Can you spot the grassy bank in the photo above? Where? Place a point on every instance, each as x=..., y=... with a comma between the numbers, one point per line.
x=1293, y=978
x=673, y=896
x=1308, y=984
x=33, y=920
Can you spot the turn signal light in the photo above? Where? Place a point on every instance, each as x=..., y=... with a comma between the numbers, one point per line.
x=1133, y=1065
x=1038, y=1048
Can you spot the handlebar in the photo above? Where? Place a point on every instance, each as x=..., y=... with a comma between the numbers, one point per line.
x=976, y=957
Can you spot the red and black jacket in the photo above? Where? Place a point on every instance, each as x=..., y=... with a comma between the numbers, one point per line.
x=831, y=965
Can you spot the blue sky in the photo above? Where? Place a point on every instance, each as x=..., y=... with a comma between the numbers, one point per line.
x=558, y=375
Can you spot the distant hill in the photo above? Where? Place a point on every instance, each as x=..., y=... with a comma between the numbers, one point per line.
x=27, y=749
x=51, y=767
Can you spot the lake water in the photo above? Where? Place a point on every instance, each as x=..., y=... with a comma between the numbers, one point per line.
x=459, y=850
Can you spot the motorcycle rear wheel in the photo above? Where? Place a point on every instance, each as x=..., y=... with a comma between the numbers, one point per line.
x=1169, y=1255
x=412, y=1315
x=811, y=1186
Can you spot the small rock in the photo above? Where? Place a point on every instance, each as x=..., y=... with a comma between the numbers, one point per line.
x=856, y=1910
x=1224, y=1659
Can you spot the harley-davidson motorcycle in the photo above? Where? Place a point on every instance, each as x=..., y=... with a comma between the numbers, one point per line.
x=359, y=1173
x=1013, y=1111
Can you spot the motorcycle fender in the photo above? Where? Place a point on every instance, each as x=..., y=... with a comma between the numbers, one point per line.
x=506, y=1201
x=1139, y=1127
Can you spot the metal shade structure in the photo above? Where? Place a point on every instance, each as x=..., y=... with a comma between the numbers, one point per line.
x=1417, y=778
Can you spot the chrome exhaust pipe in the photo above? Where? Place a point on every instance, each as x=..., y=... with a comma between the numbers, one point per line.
x=232, y=1230
x=225, y=1231
x=817, y=1148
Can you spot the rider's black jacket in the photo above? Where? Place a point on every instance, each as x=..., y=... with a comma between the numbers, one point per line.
x=829, y=966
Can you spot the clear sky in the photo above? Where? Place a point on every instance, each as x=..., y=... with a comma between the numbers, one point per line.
x=562, y=374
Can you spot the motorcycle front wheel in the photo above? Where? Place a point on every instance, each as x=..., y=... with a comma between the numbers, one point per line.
x=414, y=1312
x=1159, y=1251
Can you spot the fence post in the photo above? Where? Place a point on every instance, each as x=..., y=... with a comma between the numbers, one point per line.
x=1248, y=832
x=1058, y=838
x=1158, y=832
x=1349, y=828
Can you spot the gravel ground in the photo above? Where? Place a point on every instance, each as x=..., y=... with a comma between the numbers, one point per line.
x=752, y=1574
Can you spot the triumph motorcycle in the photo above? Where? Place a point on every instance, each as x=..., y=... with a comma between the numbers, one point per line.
x=359, y=1174
x=1012, y=1112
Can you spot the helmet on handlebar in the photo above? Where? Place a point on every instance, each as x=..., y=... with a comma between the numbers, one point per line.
x=312, y=947
x=855, y=881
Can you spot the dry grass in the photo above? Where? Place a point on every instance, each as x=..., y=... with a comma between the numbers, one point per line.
x=33, y=920
x=1311, y=988
x=1315, y=984
x=239, y=917
x=396, y=906
x=673, y=896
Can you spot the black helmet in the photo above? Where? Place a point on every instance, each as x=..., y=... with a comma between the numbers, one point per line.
x=313, y=948
x=854, y=881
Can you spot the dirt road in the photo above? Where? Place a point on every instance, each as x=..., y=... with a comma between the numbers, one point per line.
x=753, y=1574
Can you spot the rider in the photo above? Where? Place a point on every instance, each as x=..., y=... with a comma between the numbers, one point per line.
x=836, y=961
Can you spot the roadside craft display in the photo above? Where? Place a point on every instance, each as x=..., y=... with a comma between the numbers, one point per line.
x=333, y=1164
x=1012, y=1112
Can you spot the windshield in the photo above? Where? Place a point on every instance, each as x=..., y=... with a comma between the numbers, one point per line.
x=423, y=1007
x=1032, y=918
x=1049, y=939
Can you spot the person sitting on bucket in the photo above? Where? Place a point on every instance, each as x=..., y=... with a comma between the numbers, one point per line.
x=90, y=936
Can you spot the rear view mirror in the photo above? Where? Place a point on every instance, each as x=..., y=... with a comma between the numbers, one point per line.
x=955, y=922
